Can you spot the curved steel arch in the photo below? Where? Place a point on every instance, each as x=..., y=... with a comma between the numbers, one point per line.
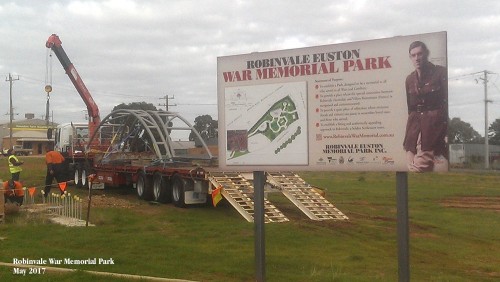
x=156, y=124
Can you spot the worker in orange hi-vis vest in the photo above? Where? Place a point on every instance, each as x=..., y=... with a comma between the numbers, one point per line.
x=54, y=161
x=14, y=193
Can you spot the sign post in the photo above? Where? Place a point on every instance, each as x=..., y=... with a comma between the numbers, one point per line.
x=259, y=179
x=403, y=226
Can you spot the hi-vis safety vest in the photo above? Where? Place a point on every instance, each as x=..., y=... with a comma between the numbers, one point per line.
x=14, y=168
x=17, y=191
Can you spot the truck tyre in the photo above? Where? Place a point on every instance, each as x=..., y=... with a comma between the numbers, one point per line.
x=84, y=178
x=178, y=192
x=78, y=178
x=143, y=187
x=161, y=189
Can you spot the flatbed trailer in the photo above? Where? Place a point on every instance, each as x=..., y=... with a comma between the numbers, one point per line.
x=185, y=186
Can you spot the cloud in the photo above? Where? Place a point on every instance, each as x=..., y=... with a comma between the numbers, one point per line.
x=133, y=51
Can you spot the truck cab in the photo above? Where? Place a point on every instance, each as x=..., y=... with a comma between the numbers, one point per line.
x=71, y=138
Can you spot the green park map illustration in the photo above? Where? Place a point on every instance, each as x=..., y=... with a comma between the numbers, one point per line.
x=264, y=121
x=277, y=118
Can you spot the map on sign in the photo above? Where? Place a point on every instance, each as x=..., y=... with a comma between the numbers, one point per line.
x=267, y=124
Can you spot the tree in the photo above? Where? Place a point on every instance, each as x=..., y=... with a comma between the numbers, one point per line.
x=494, y=132
x=206, y=126
x=133, y=106
x=136, y=106
x=140, y=141
x=462, y=132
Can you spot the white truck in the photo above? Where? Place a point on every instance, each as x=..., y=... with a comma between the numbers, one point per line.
x=20, y=151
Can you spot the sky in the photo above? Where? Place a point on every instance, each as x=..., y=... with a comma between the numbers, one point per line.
x=141, y=51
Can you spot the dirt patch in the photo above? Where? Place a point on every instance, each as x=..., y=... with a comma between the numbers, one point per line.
x=72, y=222
x=11, y=208
x=113, y=201
x=486, y=203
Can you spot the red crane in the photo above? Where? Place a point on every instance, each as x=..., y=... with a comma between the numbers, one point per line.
x=55, y=44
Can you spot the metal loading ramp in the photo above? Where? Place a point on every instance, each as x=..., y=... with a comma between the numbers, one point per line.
x=310, y=202
x=238, y=191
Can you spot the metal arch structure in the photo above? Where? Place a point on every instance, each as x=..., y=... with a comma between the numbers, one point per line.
x=157, y=125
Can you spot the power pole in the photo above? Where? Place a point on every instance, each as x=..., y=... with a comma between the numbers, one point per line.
x=486, y=101
x=166, y=105
x=11, y=80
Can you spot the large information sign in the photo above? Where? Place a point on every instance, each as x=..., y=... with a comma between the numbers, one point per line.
x=377, y=105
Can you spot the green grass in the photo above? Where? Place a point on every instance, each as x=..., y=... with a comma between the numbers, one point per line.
x=447, y=243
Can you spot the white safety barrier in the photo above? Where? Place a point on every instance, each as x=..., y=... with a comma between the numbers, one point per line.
x=66, y=205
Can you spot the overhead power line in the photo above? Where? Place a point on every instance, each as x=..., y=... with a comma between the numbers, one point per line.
x=70, y=87
x=496, y=87
x=464, y=75
x=197, y=104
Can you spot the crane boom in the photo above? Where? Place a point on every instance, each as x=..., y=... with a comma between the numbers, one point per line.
x=55, y=44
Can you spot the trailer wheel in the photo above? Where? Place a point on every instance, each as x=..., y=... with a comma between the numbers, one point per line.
x=178, y=192
x=77, y=178
x=84, y=180
x=161, y=189
x=143, y=191
x=141, y=185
